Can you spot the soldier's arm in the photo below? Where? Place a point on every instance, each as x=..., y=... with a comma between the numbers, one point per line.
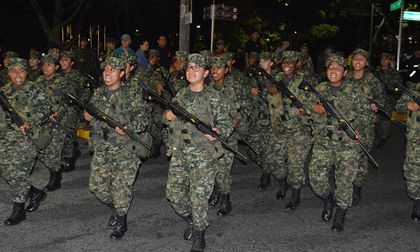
x=222, y=119
x=139, y=114
x=41, y=106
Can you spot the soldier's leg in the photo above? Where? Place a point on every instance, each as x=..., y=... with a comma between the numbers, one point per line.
x=100, y=175
x=319, y=170
x=52, y=159
x=412, y=173
x=224, y=182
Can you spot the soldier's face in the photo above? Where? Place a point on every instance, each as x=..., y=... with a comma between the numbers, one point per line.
x=180, y=64
x=153, y=60
x=195, y=73
x=266, y=64
x=288, y=66
x=49, y=69
x=218, y=73
x=335, y=73
x=33, y=62
x=112, y=77
x=17, y=75
x=359, y=62
x=385, y=62
x=66, y=64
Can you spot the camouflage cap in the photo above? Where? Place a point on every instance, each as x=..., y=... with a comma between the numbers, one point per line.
x=67, y=54
x=302, y=56
x=34, y=54
x=387, y=56
x=266, y=56
x=361, y=52
x=218, y=61
x=181, y=55
x=230, y=55
x=206, y=53
x=49, y=58
x=154, y=52
x=198, y=59
x=115, y=63
x=290, y=55
x=335, y=58
x=10, y=54
x=17, y=61
x=128, y=59
x=254, y=55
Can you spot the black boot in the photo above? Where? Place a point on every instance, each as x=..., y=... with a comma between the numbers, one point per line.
x=189, y=230
x=225, y=205
x=283, y=186
x=120, y=227
x=328, y=207
x=199, y=242
x=339, y=217
x=415, y=216
x=17, y=215
x=112, y=221
x=357, y=195
x=264, y=180
x=55, y=181
x=69, y=164
x=36, y=196
x=215, y=196
x=294, y=201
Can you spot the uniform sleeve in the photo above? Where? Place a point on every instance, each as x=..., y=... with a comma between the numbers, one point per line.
x=41, y=106
x=140, y=112
x=220, y=109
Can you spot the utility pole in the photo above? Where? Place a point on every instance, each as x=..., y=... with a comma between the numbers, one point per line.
x=185, y=19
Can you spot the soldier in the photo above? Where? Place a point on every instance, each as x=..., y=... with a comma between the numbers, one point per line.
x=18, y=153
x=177, y=78
x=332, y=147
x=4, y=76
x=35, y=69
x=193, y=165
x=387, y=75
x=292, y=139
x=115, y=161
x=372, y=88
x=412, y=153
x=302, y=67
x=86, y=60
x=56, y=88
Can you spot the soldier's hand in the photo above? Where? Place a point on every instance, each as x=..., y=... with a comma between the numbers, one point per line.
x=53, y=116
x=235, y=122
x=209, y=137
x=374, y=108
x=318, y=108
x=255, y=91
x=272, y=90
x=358, y=135
x=120, y=132
x=87, y=116
x=169, y=115
x=159, y=88
x=413, y=106
x=24, y=127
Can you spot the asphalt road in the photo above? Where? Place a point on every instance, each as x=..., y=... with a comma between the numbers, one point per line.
x=71, y=219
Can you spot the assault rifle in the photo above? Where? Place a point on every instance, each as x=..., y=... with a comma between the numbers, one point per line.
x=408, y=92
x=92, y=83
x=166, y=81
x=387, y=114
x=242, y=136
x=93, y=111
x=343, y=124
x=184, y=115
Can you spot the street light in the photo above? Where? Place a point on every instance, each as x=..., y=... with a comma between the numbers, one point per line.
x=198, y=26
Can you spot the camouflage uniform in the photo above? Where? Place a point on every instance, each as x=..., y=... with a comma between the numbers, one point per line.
x=34, y=73
x=193, y=165
x=116, y=158
x=4, y=78
x=177, y=78
x=17, y=152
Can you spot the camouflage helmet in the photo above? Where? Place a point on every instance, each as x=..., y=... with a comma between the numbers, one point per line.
x=128, y=59
x=218, y=61
x=34, y=54
x=17, y=61
x=181, y=55
x=67, y=54
x=266, y=56
x=361, y=52
x=10, y=54
x=290, y=55
x=254, y=55
x=198, y=59
x=206, y=54
x=115, y=63
x=230, y=55
x=49, y=58
x=154, y=52
x=335, y=58
x=302, y=56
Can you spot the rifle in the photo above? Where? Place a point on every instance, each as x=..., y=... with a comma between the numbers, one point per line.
x=109, y=120
x=343, y=124
x=407, y=91
x=149, y=94
x=242, y=136
x=95, y=84
x=387, y=114
x=283, y=89
x=166, y=81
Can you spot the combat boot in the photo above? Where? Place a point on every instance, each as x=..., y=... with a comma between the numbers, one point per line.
x=199, y=242
x=112, y=221
x=55, y=181
x=294, y=201
x=69, y=164
x=415, y=216
x=189, y=230
x=339, y=217
x=283, y=186
x=17, y=216
x=225, y=205
x=328, y=207
x=215, y=195
x=357, y=195
x=36, y=196
x=264, y=180
x=120, y=228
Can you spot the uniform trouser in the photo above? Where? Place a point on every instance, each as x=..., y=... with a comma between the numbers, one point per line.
x=412, y=164
x=70, y=140
x=363, y=161
x=112, y=175
x=190, y=183
x=342, y=157
x=16, y=162
x=298, y=147
x=224, y=177
x=275, y=154
x=51, y=155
